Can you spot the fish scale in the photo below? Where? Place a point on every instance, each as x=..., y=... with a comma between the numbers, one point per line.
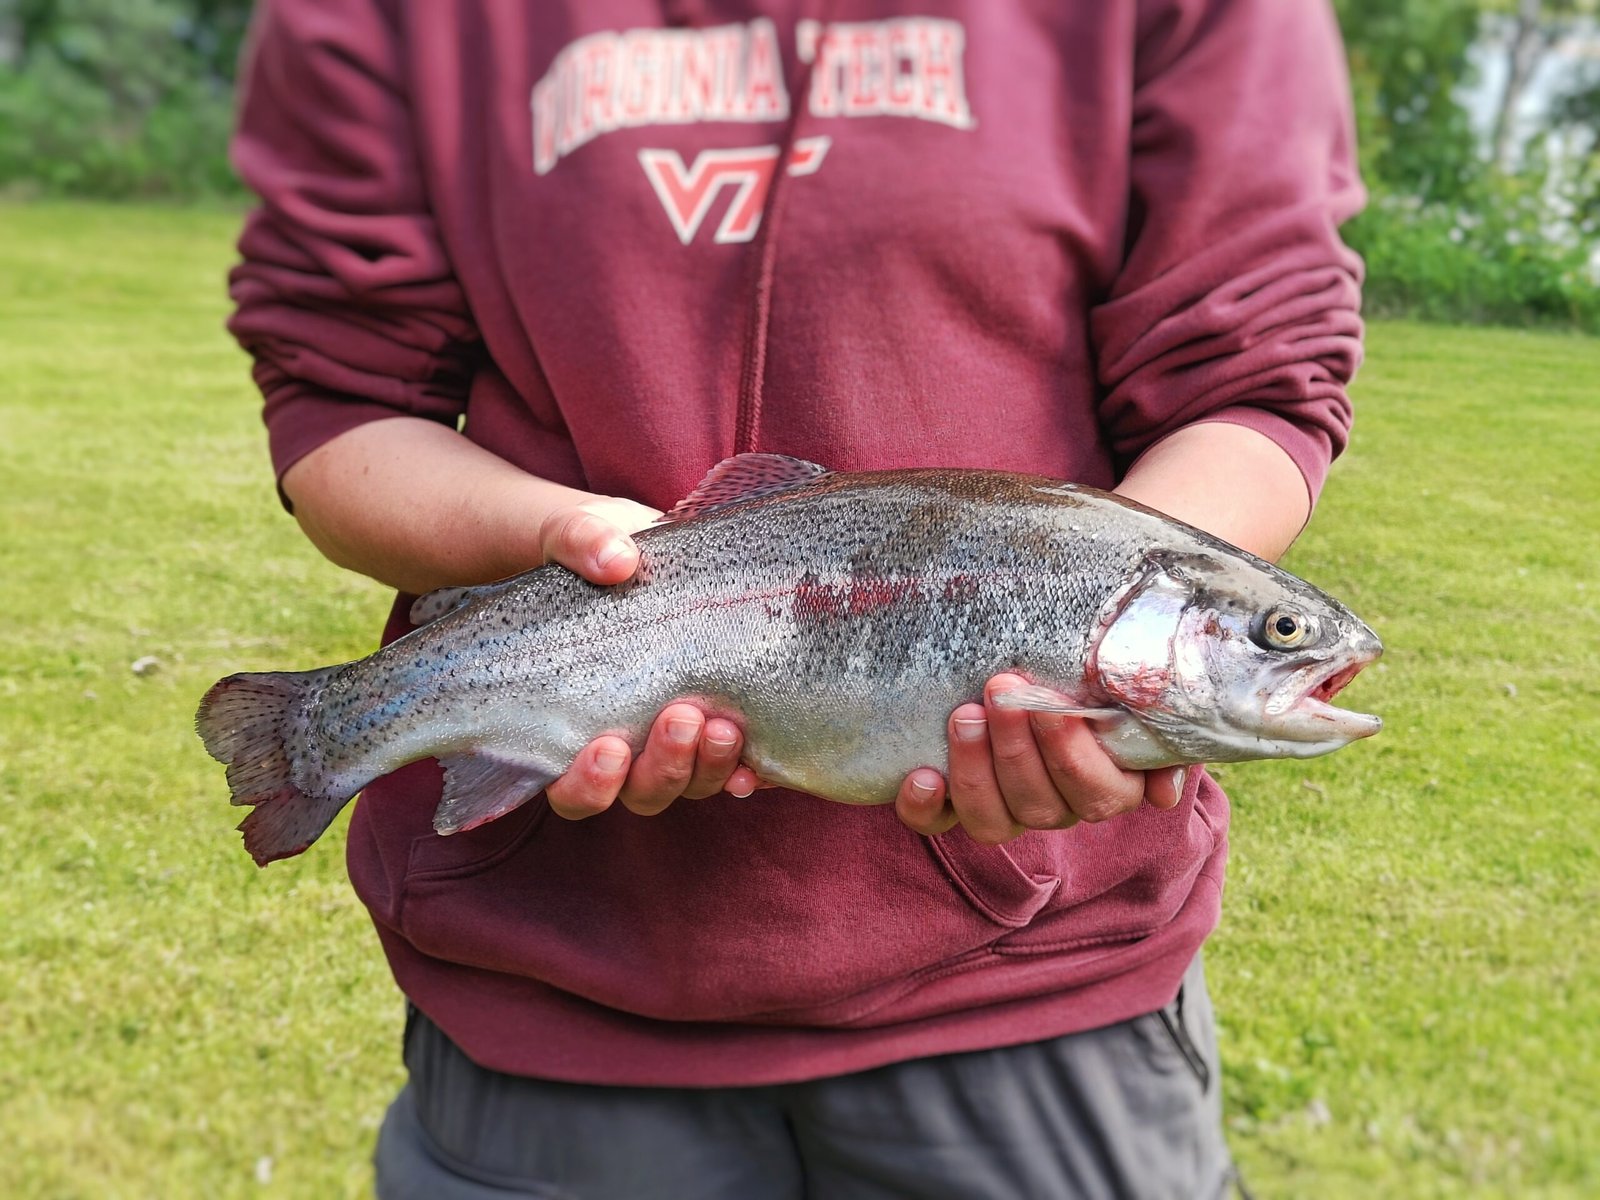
x=837, y=618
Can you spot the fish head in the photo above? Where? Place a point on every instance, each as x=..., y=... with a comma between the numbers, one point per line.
x=1223, y=659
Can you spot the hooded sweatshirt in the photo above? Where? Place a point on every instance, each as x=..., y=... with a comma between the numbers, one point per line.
x=616, y=241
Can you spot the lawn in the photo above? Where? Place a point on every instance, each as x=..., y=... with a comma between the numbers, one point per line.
x=1408, y=969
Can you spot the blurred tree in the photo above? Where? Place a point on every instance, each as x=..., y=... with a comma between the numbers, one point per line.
x=119, y=97
x=10, y=35
x=1530, y=37
x=216, y=31
x=1575, y=117
x=208, y=32
x=1408, y=60
x=31, y=23
x=128, y=48
x=1532, y=28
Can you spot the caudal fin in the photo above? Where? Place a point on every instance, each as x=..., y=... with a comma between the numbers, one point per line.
x=255, y=724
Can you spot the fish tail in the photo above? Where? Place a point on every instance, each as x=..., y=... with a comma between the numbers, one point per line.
x=256, y=725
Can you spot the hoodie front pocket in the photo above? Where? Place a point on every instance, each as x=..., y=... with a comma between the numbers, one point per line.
x=779, y=909
x=991, y=880
x=441, y=856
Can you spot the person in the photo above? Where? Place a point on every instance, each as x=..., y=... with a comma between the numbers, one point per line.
x=520, y=274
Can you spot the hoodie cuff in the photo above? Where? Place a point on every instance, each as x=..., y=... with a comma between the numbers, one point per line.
x=1309, y=447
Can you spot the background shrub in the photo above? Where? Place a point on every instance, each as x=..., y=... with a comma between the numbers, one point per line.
x=118, y=98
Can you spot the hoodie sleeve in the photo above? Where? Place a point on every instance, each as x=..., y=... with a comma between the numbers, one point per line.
x=1236, y=300
x=344, y=296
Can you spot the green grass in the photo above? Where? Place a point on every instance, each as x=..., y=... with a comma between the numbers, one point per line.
x=1408, y=970
x=1409, y=964
x=170, y=1018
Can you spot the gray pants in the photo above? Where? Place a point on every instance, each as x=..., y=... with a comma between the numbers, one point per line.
x=1132, y=1110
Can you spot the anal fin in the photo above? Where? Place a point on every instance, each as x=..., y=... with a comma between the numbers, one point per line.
x=478, y=787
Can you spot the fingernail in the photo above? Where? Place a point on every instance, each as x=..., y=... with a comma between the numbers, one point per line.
x=610, y=552
x=921, y=790
x=970, y=729
x=1179, y=778
x=610, y=759
x=717, y=747
x=741, y=789
x=681, y=731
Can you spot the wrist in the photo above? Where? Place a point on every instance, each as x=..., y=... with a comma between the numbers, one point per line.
x=506, y=514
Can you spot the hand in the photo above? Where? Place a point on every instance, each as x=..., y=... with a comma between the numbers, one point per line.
x=687, y=754
x=590, y=537
x=1013, y=770
x=374, y=499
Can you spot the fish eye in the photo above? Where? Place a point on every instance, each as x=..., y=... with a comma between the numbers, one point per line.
x=1283, y=629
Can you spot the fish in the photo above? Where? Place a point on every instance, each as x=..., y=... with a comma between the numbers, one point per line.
x=838, y=618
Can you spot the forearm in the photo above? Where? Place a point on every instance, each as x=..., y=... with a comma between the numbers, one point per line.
x=415, y=505
x=1227, y=479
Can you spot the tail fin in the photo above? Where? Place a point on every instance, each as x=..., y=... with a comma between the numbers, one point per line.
x=255, y=724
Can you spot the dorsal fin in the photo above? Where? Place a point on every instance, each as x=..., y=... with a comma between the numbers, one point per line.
x=745, y=477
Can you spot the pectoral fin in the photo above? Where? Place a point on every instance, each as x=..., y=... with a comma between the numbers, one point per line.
x=1042, y=699
x=478, y=787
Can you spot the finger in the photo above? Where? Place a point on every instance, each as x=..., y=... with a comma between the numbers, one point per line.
x=716, y=760
x=921, y=802
x=588, y=544
x=1094, y=787
x=1164, y=788
x=666, y=764
x=1029, y=791
x=593, y=781
x=974, y=793
x=744, y=782
x=627, y=515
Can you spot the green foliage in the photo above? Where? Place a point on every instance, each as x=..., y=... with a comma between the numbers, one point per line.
x=1408, y=58
x=1491, y=257
x=120, y=98
x=1447, y=236
x=1404, y=973
x=1575, y=119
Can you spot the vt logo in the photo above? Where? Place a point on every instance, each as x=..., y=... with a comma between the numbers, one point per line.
x=687, y=193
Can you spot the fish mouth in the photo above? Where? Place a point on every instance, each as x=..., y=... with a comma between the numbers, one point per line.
x=1313, y=715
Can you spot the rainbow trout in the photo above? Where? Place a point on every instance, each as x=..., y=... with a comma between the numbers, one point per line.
x=838, y=619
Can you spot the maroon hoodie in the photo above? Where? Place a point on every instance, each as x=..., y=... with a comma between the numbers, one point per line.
x=623, y=240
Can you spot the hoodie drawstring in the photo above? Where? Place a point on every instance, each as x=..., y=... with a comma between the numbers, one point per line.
x=747, y=428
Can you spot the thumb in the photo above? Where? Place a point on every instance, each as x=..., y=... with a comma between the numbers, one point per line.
x=588, y=545
x=1164, y=786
